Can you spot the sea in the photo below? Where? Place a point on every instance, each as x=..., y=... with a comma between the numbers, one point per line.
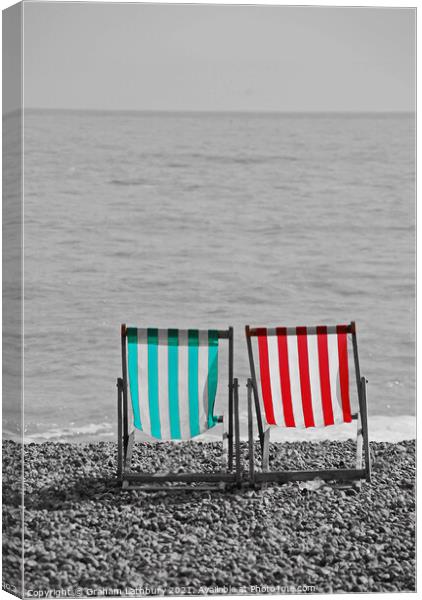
x=210, y=220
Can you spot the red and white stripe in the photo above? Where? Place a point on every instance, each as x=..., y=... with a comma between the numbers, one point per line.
x=304, y=376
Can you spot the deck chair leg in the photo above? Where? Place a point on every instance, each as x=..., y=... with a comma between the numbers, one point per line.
x=266, y=453
x=231, y=400
x=359, y=448
x=359, y=443
x=129, y=449
x=237, y=433
x=254, y=388
x=119, y=429
x=224, y=454
x=250, y=436
x=266, y=450
x=229, y=437
x=364, y=418
x=225, y=447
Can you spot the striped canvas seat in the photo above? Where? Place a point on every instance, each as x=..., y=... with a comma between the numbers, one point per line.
x=304, y=375
x=173, y=376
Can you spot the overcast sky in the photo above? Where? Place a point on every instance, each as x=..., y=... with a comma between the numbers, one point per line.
x=169, y=57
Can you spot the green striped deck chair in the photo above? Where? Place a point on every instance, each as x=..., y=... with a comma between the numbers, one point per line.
x=169, y=380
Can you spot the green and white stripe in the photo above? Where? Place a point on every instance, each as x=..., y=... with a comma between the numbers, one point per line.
x=173, y=376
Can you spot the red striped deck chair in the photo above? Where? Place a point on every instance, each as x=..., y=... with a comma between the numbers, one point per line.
x=170, y=379
x=303, y=381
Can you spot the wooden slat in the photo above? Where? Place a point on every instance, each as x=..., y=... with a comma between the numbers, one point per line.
x=119, y=430
x=253, y=331
x=357, y=366
x=364, y=418
x=254, y=386
x=266, y=454
x=187, y=477
x=359, y=440
x=176, y=488
x=124, y=376
x=237, y=433
x=223, y=334
x=266, y=450
x=129, y=450
x=250, y=435
x=230, y=400
x=326, y=475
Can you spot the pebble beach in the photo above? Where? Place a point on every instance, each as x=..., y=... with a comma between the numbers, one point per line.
x=85, y=536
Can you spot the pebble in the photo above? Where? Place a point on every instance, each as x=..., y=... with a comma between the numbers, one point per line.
x=80, y=529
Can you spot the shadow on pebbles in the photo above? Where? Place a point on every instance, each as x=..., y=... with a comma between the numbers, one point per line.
x=82, y=531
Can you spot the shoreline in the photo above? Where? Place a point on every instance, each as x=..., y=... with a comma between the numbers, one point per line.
x=382, y=428
x=81, y=531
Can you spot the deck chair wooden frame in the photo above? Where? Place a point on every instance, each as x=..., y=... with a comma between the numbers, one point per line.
x=125, y=440
x=362, y=443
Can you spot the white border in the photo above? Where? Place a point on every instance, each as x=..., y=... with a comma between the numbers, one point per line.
x=386, y=4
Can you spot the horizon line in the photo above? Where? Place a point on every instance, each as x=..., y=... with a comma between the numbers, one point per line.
x=217, y=111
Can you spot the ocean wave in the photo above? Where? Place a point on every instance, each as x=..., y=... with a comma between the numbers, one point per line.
x=92, y=431
x=244, y=160
x=129, y=181
x=382, y=428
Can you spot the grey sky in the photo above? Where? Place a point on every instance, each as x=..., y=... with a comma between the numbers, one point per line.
x=180, y=57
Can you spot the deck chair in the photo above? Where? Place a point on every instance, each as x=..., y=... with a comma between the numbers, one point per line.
x=304, y=382
x=171, y=377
